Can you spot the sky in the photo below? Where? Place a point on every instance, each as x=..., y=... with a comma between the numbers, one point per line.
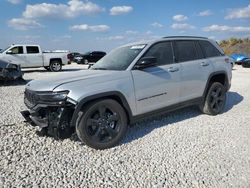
x=85, y=25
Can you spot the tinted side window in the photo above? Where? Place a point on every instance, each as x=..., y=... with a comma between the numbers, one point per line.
x=32, y=49
x=101, y=53
x=98, y=53
x=17, y=50
x=199, y=52
x=162, y=51
x=185, y=51
x=209, y=49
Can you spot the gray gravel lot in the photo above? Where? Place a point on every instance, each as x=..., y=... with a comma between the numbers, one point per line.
x=180, y=149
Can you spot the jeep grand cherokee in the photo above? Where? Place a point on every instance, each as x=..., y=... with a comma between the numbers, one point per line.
x=131, y=82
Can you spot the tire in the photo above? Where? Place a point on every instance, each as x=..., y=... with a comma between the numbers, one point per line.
x=102, y=124
x=215, y=99
x=47, y=68
x=246, y=64
x=82, y=61
x=55, y=66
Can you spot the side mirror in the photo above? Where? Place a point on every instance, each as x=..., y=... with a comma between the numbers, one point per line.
x=146, y=62
x=9, y=52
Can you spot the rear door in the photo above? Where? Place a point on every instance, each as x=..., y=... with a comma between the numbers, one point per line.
x=34, y=57
x=194, y=67
x=157, y=87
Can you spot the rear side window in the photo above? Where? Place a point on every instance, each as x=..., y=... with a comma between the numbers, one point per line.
x=32, y=50
x=199, y=51
x=185, y=51
x=162, y=52
x=209, y=49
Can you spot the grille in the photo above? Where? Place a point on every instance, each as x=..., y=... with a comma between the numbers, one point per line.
x=30, y=98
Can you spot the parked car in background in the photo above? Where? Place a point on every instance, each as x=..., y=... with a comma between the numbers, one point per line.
x=79, y=59
x=239, y=58
x=246, y=63
x=89, y=57
x=72, y=55
x=30, y=56
x=9, y=71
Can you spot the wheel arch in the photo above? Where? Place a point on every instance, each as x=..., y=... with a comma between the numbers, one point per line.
x=219, y=76
x=55, y=59
x=115, y=95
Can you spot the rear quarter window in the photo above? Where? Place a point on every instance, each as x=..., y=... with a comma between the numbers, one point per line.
x=209, y=49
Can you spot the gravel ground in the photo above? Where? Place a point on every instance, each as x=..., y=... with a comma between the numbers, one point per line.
x=180, y=149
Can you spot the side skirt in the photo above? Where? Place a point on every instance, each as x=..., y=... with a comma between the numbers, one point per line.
x=167, y=109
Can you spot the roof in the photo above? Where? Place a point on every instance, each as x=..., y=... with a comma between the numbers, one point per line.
x=162, y=39
x=196, y=37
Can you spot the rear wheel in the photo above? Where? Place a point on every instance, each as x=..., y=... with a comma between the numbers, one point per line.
x=215, y=99
x=102, y=124
x=55, y=66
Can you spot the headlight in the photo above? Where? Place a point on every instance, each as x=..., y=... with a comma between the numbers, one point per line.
x=53, y=96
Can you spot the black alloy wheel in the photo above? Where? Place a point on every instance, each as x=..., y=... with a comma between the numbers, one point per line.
x=102, y=124
x=215, y=99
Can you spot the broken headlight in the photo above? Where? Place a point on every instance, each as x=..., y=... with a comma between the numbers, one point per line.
x=59, y=96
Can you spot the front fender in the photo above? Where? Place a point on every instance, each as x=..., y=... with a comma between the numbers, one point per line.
x=116, y=95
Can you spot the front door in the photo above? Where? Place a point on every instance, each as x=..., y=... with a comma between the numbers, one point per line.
x=157, y=87
x=16, y=55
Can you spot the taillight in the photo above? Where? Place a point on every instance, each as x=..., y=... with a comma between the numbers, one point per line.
x=227, y=60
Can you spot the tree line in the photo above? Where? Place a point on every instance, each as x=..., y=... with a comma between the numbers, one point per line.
x=236, y=45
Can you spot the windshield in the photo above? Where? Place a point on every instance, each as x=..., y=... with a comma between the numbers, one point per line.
x=119, y=58
x=1, y=51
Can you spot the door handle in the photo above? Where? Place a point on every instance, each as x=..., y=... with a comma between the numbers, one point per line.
x=204, y=64
x=173, y=69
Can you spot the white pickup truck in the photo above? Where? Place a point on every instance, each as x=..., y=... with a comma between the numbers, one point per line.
x=30, y=56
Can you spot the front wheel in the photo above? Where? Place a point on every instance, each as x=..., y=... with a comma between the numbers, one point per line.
x=215, y=99
x=102, y=124
x=55, y=66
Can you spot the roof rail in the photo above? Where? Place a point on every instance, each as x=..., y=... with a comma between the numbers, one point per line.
x=185, y=37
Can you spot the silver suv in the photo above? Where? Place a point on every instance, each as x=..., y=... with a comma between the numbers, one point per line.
x=131, y=82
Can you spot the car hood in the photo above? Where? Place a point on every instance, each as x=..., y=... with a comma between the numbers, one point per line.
x=51, y=83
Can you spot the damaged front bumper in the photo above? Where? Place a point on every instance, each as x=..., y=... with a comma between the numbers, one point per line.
x=53, y=117
x=9, y=71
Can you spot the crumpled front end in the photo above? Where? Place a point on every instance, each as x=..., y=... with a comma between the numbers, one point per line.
x=9, y=71
x=51, y=111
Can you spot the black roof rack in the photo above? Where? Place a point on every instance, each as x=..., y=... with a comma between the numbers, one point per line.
x=185, y=37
